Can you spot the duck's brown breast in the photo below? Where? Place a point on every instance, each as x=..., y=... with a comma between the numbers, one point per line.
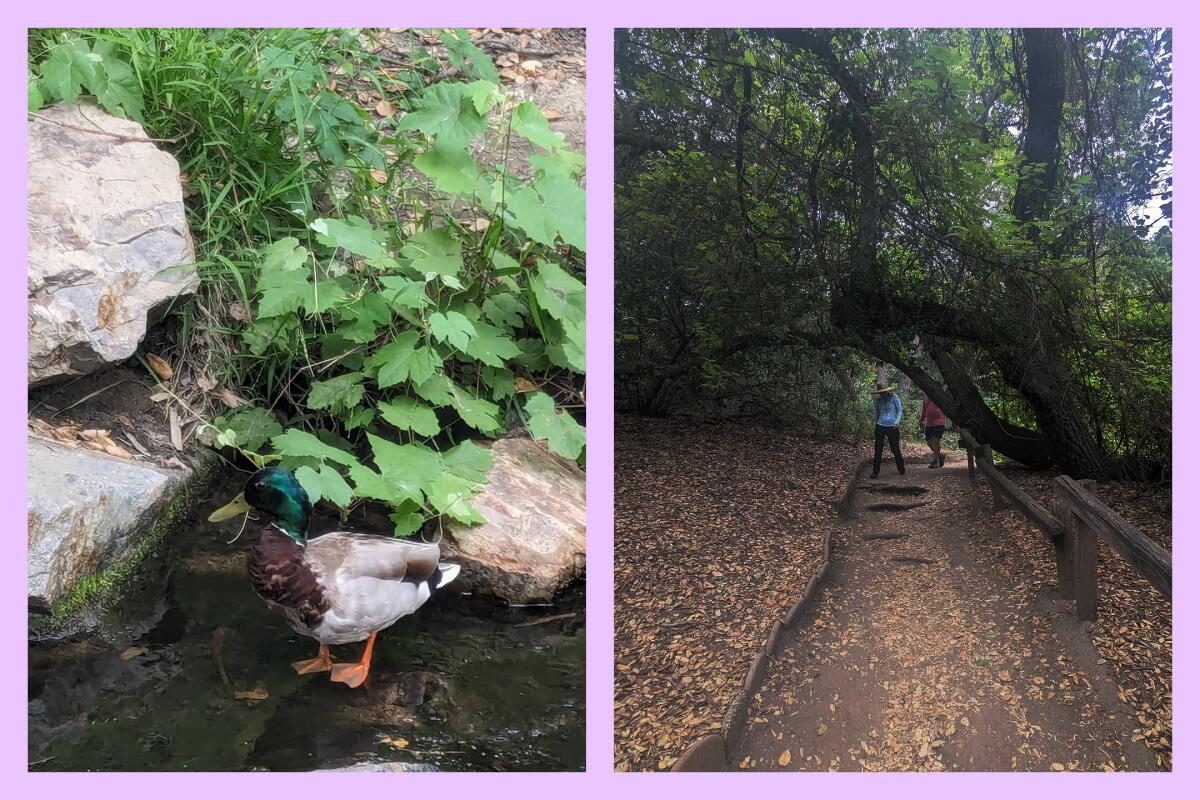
x=279, y=573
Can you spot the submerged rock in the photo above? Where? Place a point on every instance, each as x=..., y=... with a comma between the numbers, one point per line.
x=88, y=513
x=106, y=224
x=534, y=541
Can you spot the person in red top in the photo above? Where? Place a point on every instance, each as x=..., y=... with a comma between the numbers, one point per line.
x=934, y=423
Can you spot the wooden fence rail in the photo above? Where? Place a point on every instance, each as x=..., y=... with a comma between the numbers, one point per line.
x=1074, y=527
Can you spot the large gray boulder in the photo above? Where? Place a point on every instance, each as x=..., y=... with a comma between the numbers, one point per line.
x=534, y=540
x=87, y=513
x=106, y=218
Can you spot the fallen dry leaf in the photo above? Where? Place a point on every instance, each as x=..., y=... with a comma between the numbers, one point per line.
x=384, y=108
x=161, y=368
x=132, y=652
x=785, y=758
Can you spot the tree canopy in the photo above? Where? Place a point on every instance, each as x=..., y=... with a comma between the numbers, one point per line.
x=987, y=211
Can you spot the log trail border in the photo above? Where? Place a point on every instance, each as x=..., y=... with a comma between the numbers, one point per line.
x=708, y=753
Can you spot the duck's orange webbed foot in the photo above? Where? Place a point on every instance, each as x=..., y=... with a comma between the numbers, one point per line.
x=353, y=675
x=322, y=663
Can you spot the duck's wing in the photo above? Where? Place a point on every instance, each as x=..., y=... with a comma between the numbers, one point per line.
x=364, y=555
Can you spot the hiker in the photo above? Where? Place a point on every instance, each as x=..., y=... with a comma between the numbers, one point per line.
x=933, y=422
x=888, y=412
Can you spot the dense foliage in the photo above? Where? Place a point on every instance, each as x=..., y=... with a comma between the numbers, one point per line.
x=376, y=288
x=985, y=211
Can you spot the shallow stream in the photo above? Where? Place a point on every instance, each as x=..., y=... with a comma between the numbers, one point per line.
x=203, y=682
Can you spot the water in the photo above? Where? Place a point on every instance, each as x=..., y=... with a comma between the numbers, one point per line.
x=460, y=685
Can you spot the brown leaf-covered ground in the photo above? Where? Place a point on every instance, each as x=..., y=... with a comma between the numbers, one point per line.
x=1132, y=632
x=945, y=649
x=718, y=528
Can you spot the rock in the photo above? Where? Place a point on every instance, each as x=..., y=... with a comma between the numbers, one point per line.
x=87, y=513
x=105, y=218
x=534, y=540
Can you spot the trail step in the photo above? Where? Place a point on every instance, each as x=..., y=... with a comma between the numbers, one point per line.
x=912, y=560
x=892, y=488
x=895, y=506
x=869, y=536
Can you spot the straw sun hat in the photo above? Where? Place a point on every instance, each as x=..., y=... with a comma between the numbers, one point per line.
x=881, y=387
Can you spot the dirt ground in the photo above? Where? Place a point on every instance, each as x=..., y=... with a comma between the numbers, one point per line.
x=718, y=528
x=944, y=649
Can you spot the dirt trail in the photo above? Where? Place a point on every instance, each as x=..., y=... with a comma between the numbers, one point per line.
x=919, y=654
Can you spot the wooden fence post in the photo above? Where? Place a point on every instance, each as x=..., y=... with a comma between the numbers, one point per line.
x=1086, y=600
x=1064, y=547
x=985, y=456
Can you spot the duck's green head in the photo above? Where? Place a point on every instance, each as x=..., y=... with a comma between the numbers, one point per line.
x=276, y=492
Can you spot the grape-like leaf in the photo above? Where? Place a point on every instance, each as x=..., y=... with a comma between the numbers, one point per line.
x=530, y=123
x=408, y=414
x=491, y=345
x=565, y=436
x=452, y=327
x=408, y=468
x=558, y=293
x=450, y=167
x=342, y=392
x=353, y=234
x=435, y=251
x=299, y=444
x=324, y=483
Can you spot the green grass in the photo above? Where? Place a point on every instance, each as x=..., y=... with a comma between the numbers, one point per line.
x=276, y=140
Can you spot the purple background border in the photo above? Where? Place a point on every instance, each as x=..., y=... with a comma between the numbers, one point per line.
x=599, y=18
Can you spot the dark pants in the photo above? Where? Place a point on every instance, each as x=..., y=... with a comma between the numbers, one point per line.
x=893, y=437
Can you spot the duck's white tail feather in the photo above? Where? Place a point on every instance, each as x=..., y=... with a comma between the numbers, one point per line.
x=446, y=573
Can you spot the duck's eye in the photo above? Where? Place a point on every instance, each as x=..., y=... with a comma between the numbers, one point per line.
x=260, y=485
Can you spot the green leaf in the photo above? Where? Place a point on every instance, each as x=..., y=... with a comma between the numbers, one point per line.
x=450, y=167
x=282, y=292
x=480, y=414
x=443, y=113
x=267, y=333
x=403, y=292
x=567, y=205
x=453, y=327
x=408, y=414
x=335, y=394
x=484, y=94
x=462, y=51
x=252, y=426
x=407, y=522
x=353, y=234
x=115, y=86
x=505, y=309
x=451, y=495
x=565, y=436
x=284, y=255
x=435, y=252
x=401, y=360
x=530, y=123
x=469, y=461
x=358, y=418
x=36, y=101
x=364, y=316
x=491, y=345
x=438, y=390
x=324, y=296
x=408, y=468
x=297, y=443
x=559, y=293
x=324, y=482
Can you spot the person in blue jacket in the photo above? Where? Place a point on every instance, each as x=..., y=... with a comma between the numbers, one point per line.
x=888, y=412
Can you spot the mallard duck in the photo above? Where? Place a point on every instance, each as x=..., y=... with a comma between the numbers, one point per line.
x=340, y=587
